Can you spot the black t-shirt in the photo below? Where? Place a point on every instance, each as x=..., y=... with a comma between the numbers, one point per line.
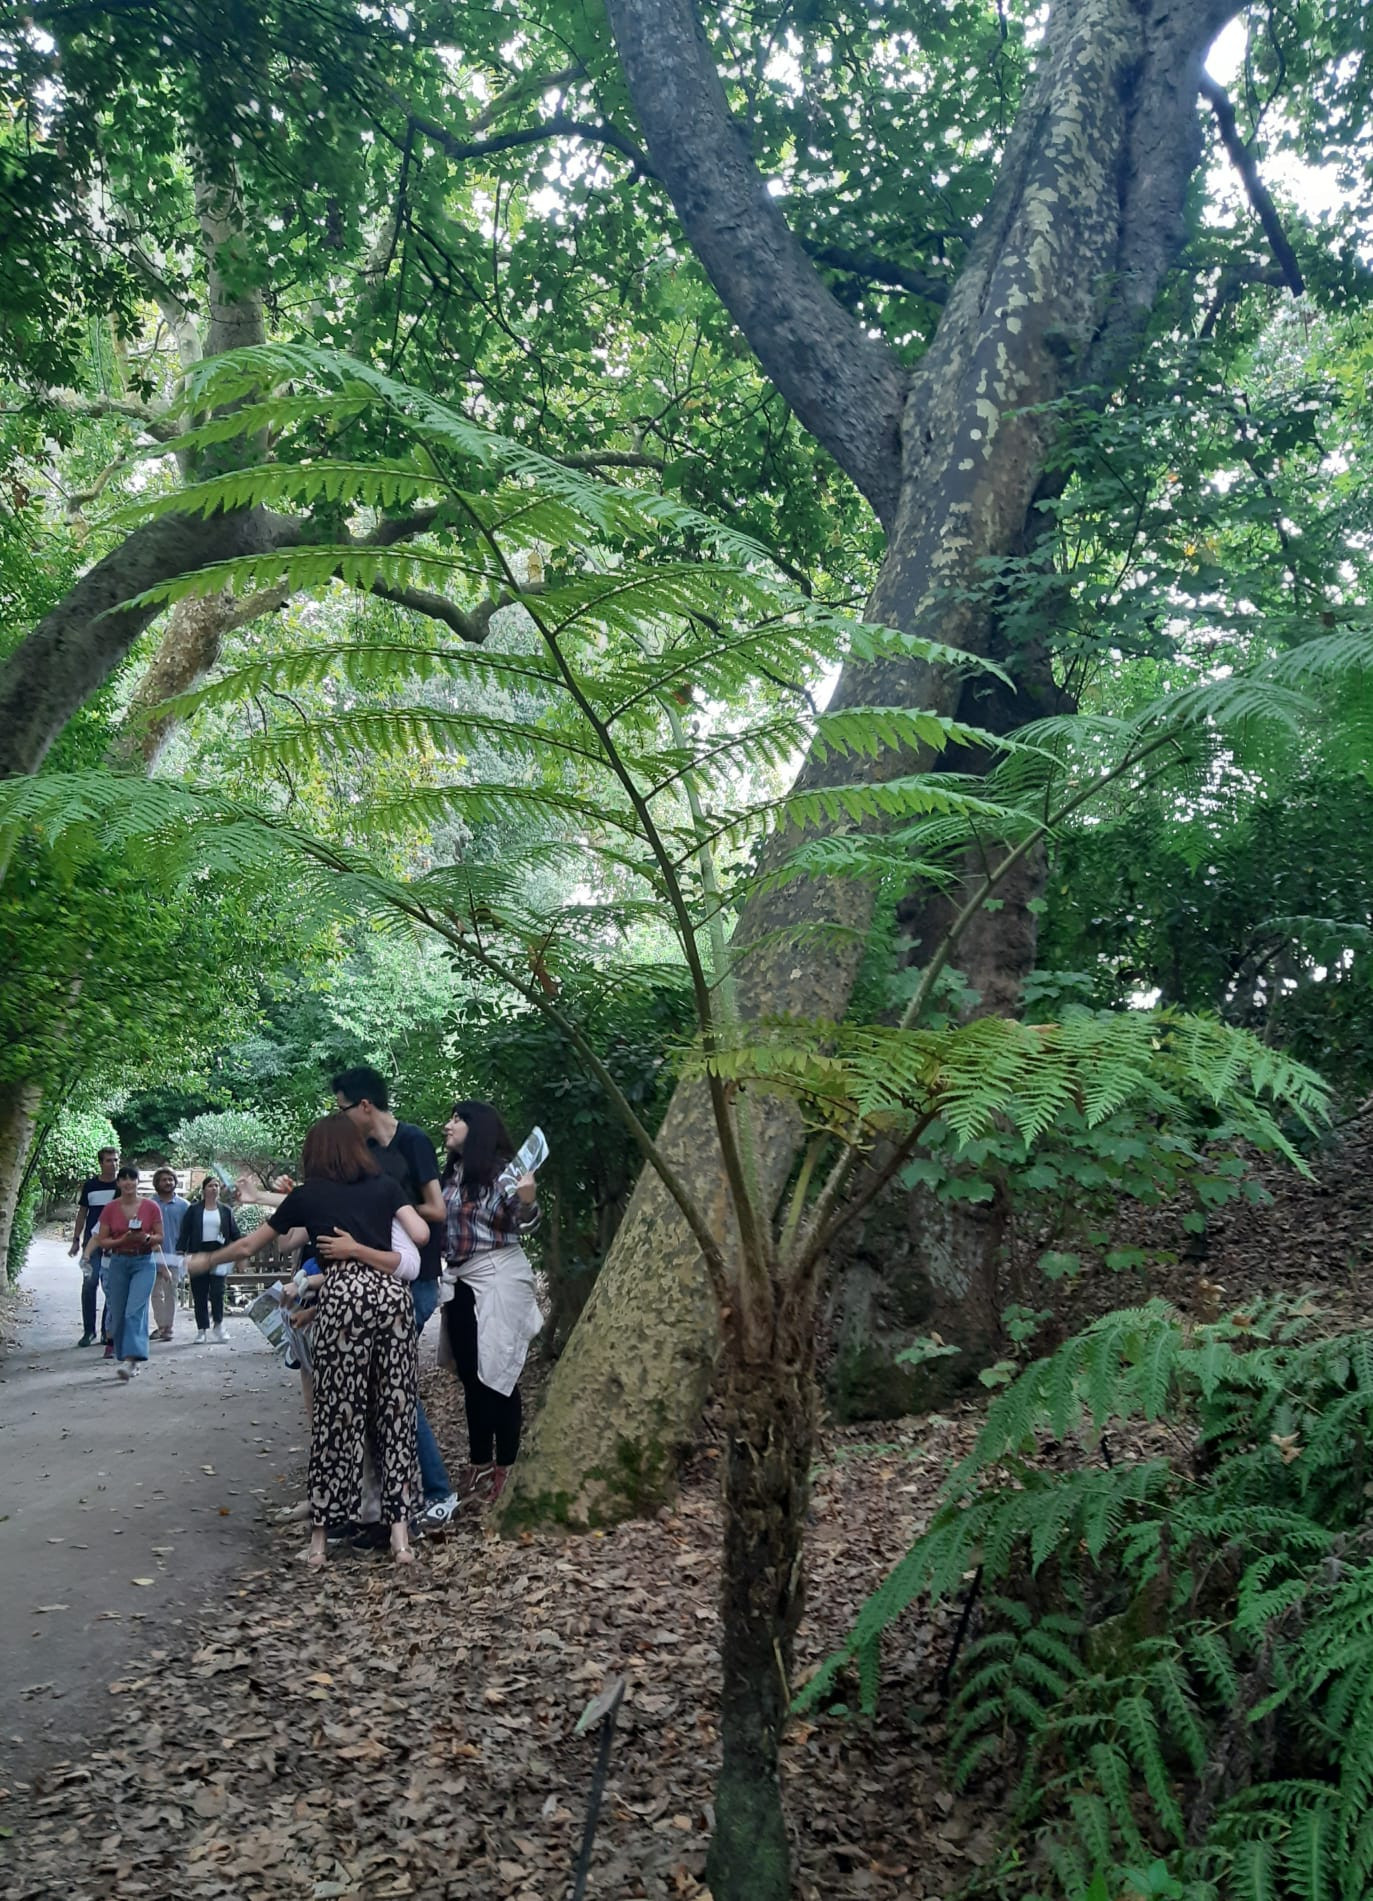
x=409, y=1157
x=364, y=1209
x=96, y=1194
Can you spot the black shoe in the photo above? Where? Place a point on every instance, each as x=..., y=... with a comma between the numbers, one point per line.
x=371, y=1538
x=86, y=1340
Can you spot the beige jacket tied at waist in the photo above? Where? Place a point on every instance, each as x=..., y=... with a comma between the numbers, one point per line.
x=508, y=1314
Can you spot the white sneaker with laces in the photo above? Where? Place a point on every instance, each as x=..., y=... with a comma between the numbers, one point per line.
x=440, y=1513
x=202, y=1335
x=218, y=1337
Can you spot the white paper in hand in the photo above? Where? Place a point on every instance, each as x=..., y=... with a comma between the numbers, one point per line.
x=532, y=1156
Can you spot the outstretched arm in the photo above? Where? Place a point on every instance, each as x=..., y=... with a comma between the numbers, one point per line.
x=240, y=1250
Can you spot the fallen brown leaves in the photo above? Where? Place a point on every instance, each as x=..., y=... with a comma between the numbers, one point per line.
x=374, y=1733
x=369, y=1732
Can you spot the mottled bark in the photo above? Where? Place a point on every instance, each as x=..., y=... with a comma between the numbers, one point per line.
x=1085, y=221
x=74, y=649
x=19, y=1108
x=188, y=649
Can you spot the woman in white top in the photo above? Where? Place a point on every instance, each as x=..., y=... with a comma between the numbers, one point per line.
x=208, y=1224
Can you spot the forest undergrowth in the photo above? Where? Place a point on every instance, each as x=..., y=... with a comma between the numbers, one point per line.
x=414, y=1736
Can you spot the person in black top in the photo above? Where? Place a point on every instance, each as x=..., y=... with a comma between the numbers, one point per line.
x=96, y=1193
x=404, y=1150
x=364, y=1342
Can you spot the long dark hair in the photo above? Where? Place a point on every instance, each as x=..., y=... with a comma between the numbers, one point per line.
x=485, y=1152
x=336, y=1151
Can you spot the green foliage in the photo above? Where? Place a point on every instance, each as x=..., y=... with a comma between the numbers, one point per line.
x=261, y=1143
x=1176, y=1648
x=68, y=1149
x=21, y=1231
x=1259, y=912
x=626, y=611
x=516, y=1057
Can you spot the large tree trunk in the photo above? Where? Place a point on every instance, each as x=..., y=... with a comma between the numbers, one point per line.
x=76, y=647
x=1086, y=219
x=19, y=1108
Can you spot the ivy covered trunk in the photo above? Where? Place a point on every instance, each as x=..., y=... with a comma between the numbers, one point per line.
x=955, y=458
x=19, y=1106
x=769, y=1417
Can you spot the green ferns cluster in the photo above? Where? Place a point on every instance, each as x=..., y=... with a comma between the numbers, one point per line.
x=1172, y=1653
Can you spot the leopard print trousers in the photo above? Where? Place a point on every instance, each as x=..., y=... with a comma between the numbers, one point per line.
x=366, y=1390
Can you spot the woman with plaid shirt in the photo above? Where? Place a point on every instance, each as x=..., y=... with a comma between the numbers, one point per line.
x=491, y=1312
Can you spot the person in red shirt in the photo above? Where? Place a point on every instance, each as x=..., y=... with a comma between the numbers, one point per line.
x=128, y=1235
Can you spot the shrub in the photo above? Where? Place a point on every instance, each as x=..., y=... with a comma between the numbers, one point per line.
x=1174, y=1663
x=21, y=1232
x=68, y=1152
x=259, y=1142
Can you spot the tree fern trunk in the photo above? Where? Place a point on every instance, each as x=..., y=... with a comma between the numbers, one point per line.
x=769, y=1417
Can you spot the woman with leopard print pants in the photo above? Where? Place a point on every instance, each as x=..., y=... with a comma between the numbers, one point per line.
x=364, y=1343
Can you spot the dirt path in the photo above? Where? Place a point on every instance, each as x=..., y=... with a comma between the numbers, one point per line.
x=105, y=1484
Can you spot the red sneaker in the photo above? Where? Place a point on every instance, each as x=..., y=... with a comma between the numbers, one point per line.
x=490, y=1484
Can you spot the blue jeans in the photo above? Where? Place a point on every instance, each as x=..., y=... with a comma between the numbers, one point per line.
x=433, y=1471
x=128, y=1284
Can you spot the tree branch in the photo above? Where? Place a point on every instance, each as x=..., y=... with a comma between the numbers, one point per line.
x=846, y=386
x=528, y=86
x=1246, y=165
x=151, y=422
x=470, y=624
x=560, y=126
x=614, y=459
x=880, y=270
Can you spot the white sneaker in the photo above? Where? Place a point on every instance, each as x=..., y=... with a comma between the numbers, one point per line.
x=440, y=1514
x=202, y=1335
x=124, y=1370
x=219, y=1338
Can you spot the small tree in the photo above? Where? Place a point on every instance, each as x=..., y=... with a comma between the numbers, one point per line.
x=236, y=1135
x=667, y=667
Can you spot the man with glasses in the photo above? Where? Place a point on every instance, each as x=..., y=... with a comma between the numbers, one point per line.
x=405, y=1151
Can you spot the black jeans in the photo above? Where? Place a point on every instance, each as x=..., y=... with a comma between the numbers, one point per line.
x=207, y=1292
x=90, y=1288
x=493, y=1419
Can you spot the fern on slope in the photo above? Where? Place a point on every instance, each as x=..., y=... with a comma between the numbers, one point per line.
x=1174, y=1659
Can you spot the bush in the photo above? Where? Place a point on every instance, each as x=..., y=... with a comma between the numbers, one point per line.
x=1173, y=1666
x=68, y=1152
x=259, y=1142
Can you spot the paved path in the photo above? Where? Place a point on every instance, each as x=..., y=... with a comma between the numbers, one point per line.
x=102, y=1484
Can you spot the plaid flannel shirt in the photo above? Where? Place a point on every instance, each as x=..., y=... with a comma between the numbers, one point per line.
x=492, y=1220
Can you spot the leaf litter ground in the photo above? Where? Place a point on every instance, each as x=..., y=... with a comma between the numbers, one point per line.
x=372, y=1733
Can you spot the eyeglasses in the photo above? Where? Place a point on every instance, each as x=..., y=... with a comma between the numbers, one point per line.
x=344, y=1107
